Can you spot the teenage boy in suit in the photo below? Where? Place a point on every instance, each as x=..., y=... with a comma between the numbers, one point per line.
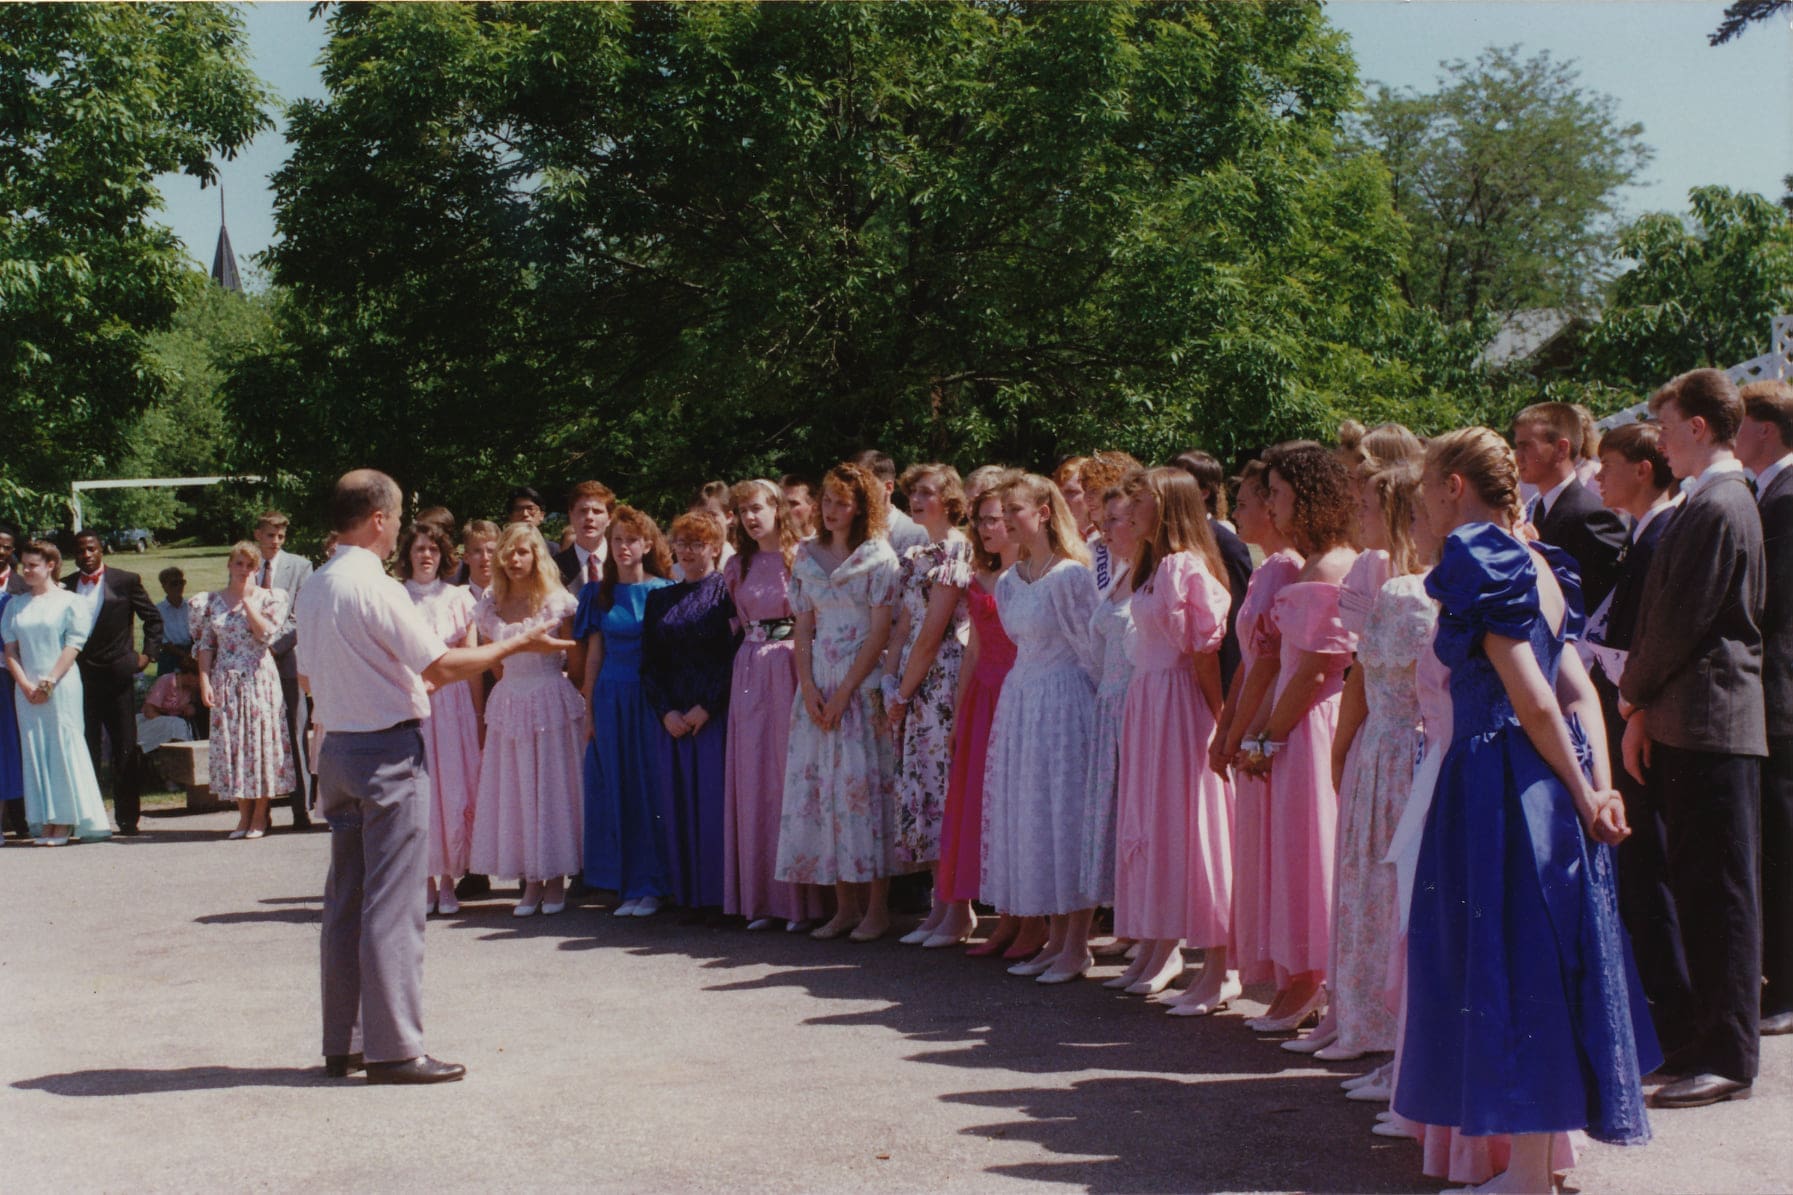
x=1547, y=440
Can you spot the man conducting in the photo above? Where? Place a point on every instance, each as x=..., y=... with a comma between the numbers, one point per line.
x=369, y=663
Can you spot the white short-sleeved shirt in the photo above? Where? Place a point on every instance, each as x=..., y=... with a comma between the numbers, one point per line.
x=362, y=645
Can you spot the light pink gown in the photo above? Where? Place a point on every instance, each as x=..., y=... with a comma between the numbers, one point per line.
x=450, y=734
x=759, y=730
x=1448, y=1154
x=528, y=821
x=1258, y=639
x=1302, y=813
x=1173, y=823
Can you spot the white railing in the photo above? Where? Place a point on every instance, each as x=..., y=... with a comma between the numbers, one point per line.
x=1773, y=365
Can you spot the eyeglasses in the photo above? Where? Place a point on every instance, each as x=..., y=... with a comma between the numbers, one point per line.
x=689, y=545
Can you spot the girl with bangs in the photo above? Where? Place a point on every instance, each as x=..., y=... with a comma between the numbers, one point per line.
x=762, y=688
x=1173, y=870
x=1038, y=814
x=526, y=820
x=837, y=819
x=688, y=652
x=623, y=850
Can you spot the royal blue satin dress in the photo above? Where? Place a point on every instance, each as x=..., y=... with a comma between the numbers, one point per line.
x=12, y=768
x=624, y=850
x=1524, y=1014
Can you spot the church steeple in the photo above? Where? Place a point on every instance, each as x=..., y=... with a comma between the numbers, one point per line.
x=224, y=261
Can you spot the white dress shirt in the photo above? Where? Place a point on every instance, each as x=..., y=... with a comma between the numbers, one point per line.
x=362, y=645
x=90, y=592
x=1548, y=498
x=585, y=558
x=176, y=630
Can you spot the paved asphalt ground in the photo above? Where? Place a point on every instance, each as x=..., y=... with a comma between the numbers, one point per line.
x=160, y=1002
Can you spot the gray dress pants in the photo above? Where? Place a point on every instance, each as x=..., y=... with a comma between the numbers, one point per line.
x=374, y=790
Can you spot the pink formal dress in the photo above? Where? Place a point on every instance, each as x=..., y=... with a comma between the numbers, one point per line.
x=1173, y=821
x=450, y=734
x=759, y=730
x=961, y=829
x=528, y=820
x=1258, y=639
x=1301, y=817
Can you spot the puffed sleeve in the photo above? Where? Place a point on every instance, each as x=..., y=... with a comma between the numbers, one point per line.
x=1074, y=601
x=802, y=602
x=1357, y=593
x=198, y=619
x=195, y=611
x=74, y=627
x=883, y=580
x=274, y=605
x=460, y=611
x=954, y=567
x=1486, y=581
x=588, y=618
x=562, y=604
x=1195, y=602
x=1400, y=624
x=1264, y=635
x=1568, y=579
x=1310, y=619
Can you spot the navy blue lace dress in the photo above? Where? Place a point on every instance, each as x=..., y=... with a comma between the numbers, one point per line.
x=1524, y=1014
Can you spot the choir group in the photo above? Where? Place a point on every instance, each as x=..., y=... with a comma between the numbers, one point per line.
x=1377, y=730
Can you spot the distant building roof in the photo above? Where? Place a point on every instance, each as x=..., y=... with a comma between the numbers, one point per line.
x=1524, y=335
x=224, y=263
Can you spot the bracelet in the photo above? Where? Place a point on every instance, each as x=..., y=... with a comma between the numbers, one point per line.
x=1268, y=748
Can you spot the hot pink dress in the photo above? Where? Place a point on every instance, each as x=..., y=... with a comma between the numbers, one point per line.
x=1173, y=821
x=1302, y=814
x=759, y=730
x=450, y=734
x=961, y=831
x=1258, y=639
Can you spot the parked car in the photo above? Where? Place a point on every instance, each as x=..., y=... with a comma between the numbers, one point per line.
x=130, y=539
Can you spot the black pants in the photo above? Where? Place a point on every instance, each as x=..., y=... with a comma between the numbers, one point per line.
x=297, y=718
x=1777, y=877
x=109, y=701
x=1711, y=803
x=1646, y=903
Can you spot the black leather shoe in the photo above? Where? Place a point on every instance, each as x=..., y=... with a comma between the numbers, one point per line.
x=1779, y=1023
x=472, y=887
x=1696, y=1091
x=130, y=831
x=341, y=1066
x=415, y=1070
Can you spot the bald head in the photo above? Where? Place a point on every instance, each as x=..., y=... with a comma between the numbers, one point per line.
x=359, y=495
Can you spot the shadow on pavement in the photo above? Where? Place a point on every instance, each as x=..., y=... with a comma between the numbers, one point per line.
x=184, y=1078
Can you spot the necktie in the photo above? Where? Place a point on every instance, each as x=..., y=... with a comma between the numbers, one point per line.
x=266, y=568
x=592, y=572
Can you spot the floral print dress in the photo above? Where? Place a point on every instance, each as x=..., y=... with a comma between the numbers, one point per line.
x=837, y=818
x=924, y=756
x=251, y=756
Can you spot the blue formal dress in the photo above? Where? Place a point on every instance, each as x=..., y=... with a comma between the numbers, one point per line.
x=60, y=786
x=688, y=658
x=623, y=842
x=1524, y=1014
x=12, y=765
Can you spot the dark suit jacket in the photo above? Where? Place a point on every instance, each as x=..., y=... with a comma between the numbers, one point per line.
x=1593, y=535
x=1628, y=591
x=1695, y=666
x=1775, y=505
x=15, y=583
x=109, y=647
x=567, y=559
x=1237, y=559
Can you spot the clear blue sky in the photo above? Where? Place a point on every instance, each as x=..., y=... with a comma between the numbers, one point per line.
x=1713, y=114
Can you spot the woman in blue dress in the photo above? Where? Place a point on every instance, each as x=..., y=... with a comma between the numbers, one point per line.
x=687, y=667
x=44, y=629
x=1524, y=1016
x=623, y=850
x=12, y=767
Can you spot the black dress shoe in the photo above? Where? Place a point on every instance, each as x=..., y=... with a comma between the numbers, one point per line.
x=341, y=1066
x=1777, y=1024
x=472, y=887
x=1696, y=1091
x=130, y=831
x=415, y=1070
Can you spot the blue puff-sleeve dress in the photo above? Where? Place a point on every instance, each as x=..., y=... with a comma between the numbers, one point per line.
x=1524, y=1014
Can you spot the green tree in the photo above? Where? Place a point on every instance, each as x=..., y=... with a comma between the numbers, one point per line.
x=664, y=242
x=1701, y=292
x=1509, y=176
x=95, y=100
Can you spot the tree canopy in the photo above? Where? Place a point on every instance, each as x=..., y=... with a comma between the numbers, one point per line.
x=665, y=242
x=94, y=101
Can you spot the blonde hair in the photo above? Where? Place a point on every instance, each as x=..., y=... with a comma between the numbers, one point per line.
x=1384, y=445
x=248, y=550
x=788, y=532
x=1182, y=524
x=952, y=490
x=1485, y=463
x=1061, y=529
x=1397, y=496
x=544, y=577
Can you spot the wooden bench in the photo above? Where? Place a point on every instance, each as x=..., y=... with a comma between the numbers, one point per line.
x=188, y=764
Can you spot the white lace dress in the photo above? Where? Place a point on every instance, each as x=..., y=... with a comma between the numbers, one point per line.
x=1038, y=811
